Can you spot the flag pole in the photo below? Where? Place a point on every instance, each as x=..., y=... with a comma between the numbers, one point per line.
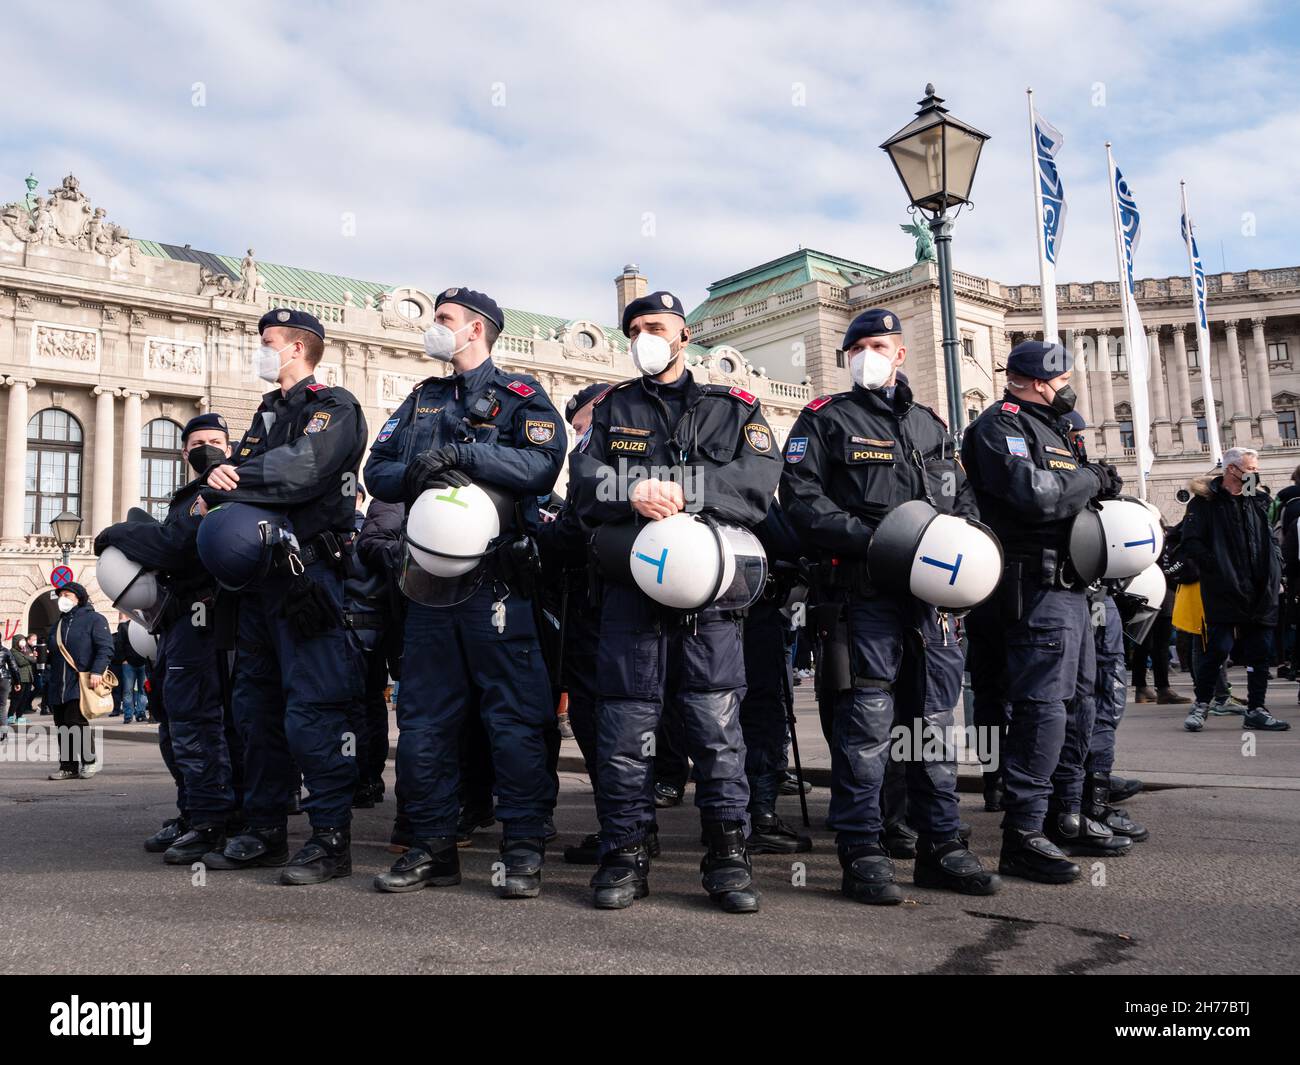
x=1047, y=292
x=1202, y=332
x=1124, y=297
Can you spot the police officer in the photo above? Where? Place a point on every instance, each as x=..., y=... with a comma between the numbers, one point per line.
x=572, y=597
x=192, y=734
x=1110, y=694
x=653, y=439
x=479, y=424
x=850, y=459
x=296, y=671
x=1031, y=645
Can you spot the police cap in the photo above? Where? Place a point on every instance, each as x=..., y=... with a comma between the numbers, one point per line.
x=656, y=303
x=1039, y=360
x=291, y=319
x=592, y=391
x=208, y=420
x=876, y=322
x=478, y=302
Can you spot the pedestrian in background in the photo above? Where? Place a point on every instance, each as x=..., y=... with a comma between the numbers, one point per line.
x=1226, y=533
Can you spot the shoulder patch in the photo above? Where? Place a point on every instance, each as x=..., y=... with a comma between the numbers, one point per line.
x=521, y=389
x=317, y=422
x=538, y=431
x=741, y=394
x=387, y=430
x=819, y=403
x=759, y=437
x=796, y=448
x=316, y=387
x=1016, y=446
x=1010, y=408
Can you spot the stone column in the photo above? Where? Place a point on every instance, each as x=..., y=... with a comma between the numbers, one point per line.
x=1112, y=447
x=1264, y=387
x=101, y=507
x=1186, y=416
x=1080, y=377
x=131, y=451
x=1164, y=430
x=1241, y=436
x=15, y=472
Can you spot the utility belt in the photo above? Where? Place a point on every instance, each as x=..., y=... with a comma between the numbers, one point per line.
x=371, y=619
x=327, y=546
x=1029, y=571
x=181, y=605
x=517, y=564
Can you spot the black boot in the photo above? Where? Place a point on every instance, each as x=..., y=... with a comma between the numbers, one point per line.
x=523, y=860
x=667, y=795
x=624, y=875
x=949, y=864
x=471, y=820
x=198, y=841
x=585, y=853
x=256, y=848
x=402, y=837
x=1122, y=788
x=993, y=792
x=295, y=802
x=651, y=842
x=1032, y=856
x=430, y=862
x=171, y=831
x=326, y=856
x=1096, y=804
x=725, y=870
x=362, y=799
x=900, y=841
x=770, y=835
x=1079, y=836
x=869, y=875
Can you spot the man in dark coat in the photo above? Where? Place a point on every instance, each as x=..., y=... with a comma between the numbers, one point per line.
x=1226, y=533
x=82, y=633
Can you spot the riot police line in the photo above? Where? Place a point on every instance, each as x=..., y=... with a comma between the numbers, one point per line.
x=660, y=598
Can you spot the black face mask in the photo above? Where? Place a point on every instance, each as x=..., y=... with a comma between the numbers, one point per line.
x=203, y=456
x=1064, y=399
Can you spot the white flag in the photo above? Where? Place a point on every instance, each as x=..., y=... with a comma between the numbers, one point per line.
x=1128, y=231
x=1049, y=211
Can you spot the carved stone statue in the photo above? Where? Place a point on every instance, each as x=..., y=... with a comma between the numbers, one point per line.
x=216, y=283
x=248, y=279
x=65, y=219
x=924, y=240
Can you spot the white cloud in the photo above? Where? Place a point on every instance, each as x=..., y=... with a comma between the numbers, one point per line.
x=387, y=111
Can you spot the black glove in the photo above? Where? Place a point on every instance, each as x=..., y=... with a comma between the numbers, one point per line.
x=1111, y=482
x=107, y=538
x=429, y=468
x=308, y=607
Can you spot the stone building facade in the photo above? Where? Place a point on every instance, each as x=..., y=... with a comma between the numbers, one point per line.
x=108, y=345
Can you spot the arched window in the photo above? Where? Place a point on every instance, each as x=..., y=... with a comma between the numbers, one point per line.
x=162, y=470
x=54, y=441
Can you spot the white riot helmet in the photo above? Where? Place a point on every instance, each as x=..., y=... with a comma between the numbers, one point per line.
x=133, y=589
x=686, y=562
x=1118, y=538
x=448, y=531
x=945, y=560
x=142, y=641
x=1139, y=601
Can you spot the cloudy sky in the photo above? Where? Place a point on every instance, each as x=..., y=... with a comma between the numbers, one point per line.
x=531, y=149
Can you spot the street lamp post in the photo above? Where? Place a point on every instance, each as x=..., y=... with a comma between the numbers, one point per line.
x=65, y=527
x=936, y=155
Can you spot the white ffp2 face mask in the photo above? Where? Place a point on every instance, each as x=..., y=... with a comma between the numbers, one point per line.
x=66, y=604
x=440, y=342
x=870, y=369
x=651, y=353
x=268, y=363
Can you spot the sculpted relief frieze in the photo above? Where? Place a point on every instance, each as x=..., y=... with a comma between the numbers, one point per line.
x=70, y=347
x=166, y=356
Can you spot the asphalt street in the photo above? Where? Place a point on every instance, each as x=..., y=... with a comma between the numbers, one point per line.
x=1214, y=890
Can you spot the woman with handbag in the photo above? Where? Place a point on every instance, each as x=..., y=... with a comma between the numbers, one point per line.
x=79, y=686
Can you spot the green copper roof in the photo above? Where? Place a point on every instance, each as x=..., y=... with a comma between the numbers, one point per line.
x=297, y=283
x=780, y=275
